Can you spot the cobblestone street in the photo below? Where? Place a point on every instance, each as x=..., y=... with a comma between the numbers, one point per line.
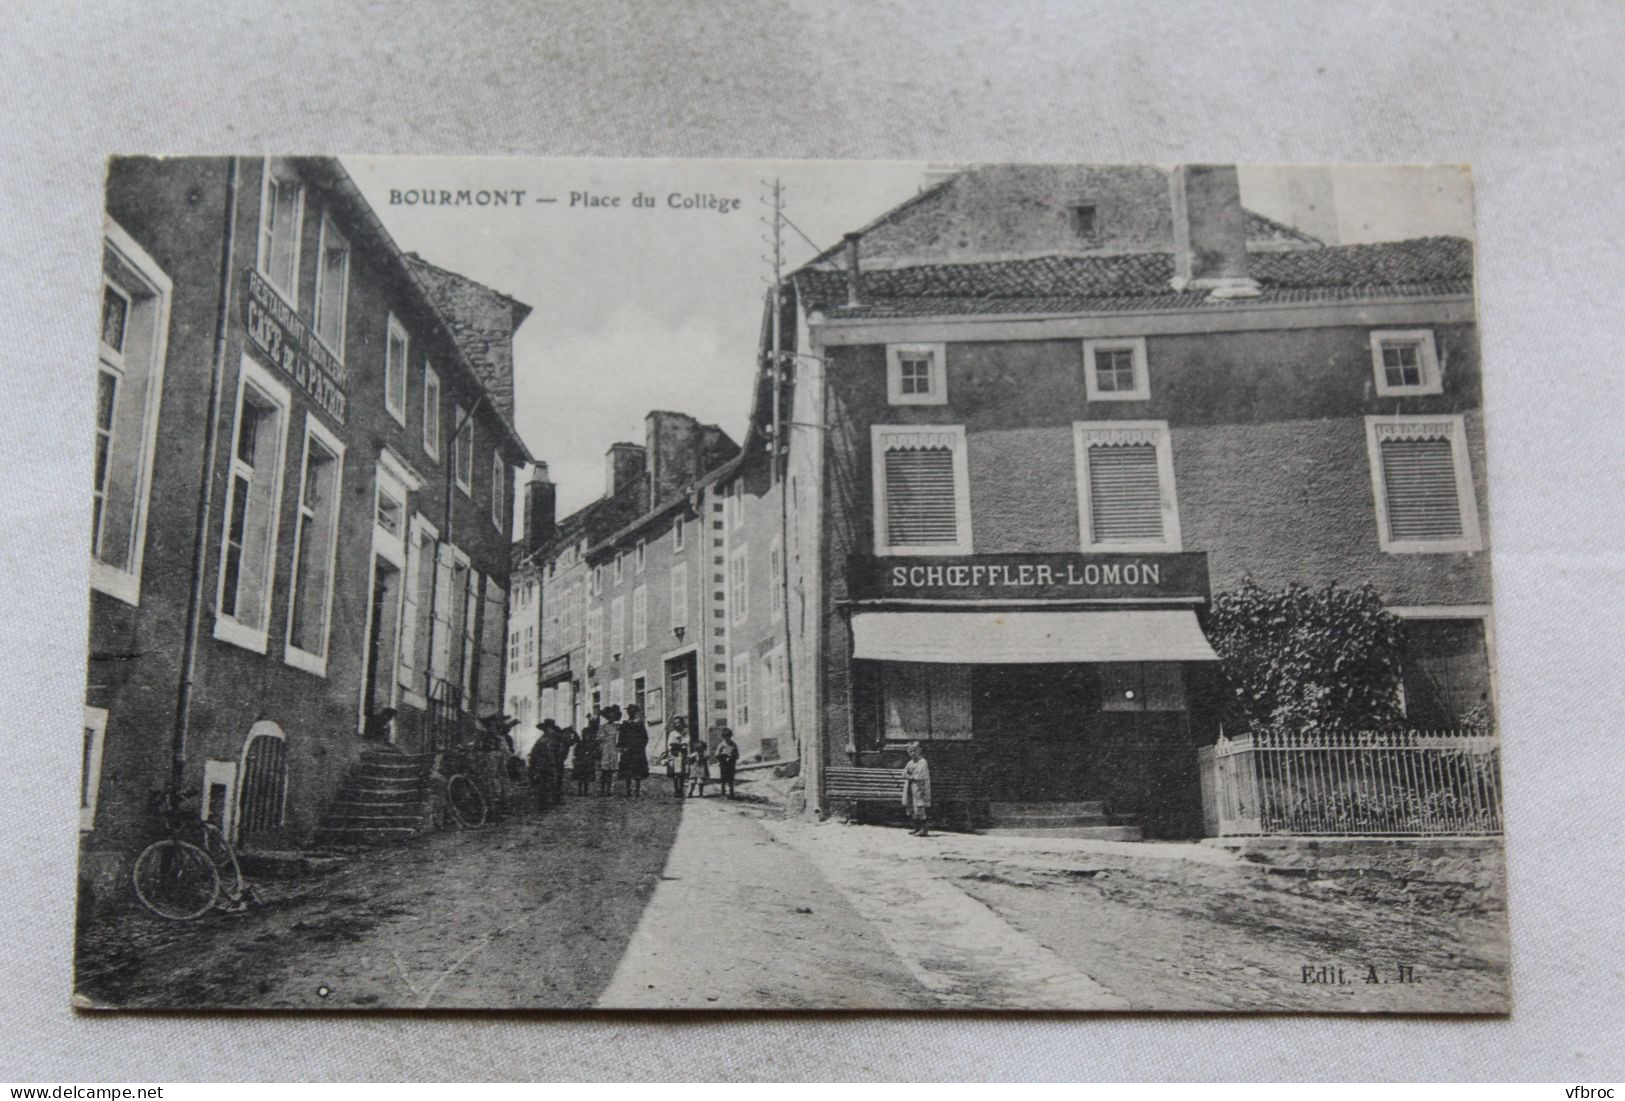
x=652, y=903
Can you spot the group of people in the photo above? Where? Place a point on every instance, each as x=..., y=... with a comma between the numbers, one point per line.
x=689, y=759
x=611, y=748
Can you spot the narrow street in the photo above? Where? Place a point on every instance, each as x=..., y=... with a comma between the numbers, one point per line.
x=653, y=903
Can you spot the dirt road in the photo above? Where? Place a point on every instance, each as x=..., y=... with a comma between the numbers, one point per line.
x=659, y=904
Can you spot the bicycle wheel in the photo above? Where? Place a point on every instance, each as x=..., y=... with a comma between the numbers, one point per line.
x=465, y=800
x=224, y=859
x=175, y=880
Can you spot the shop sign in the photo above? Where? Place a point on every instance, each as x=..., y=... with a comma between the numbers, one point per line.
x=556, y=668
x=280, y=335
x=1116, y=577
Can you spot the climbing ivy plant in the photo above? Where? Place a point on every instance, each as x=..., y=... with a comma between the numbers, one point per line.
x=1307, y=660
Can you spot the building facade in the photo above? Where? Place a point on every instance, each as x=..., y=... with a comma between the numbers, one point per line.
x=1046, y=412
x=627, y=612
x=324, y=532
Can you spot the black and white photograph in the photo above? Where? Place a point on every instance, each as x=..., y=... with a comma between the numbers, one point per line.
x=629, y=584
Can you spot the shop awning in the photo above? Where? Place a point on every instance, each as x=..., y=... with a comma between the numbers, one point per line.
x=1022, y=637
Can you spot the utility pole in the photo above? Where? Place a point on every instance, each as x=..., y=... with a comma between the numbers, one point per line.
x=777, y=362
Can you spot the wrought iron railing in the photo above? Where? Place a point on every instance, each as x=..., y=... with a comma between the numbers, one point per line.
x=1398, y=784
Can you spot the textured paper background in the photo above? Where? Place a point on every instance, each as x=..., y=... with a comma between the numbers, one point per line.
x=1531, y=94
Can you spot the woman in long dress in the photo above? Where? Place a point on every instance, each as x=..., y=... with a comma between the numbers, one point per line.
x=917, y=789
x=633, y=742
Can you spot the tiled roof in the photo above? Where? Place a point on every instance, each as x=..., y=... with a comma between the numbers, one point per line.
x=1140, y=281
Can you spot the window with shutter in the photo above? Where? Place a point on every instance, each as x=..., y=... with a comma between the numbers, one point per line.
x=1423, y=484
x=1126, y=494
x=922, y=492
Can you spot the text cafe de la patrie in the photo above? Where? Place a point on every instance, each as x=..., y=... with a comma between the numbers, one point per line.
x=279, y=334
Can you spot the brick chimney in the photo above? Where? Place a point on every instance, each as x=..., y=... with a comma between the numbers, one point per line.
x=1210, y=231
x=672, y=441
x=541, y=502
x=623, y=466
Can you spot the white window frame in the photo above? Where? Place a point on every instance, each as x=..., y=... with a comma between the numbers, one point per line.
x=879, y=435
x=617, y=627
x=431, y=413
x=1471, y=539
x=262, y=262
x=640, y=618
x=775, y=689
x=639, y=557
x=1142, y=375
x=736, y=501
x=739, y=583
x=1153, y=432
x=462, y=470
x=1481, y=612
x=677, y=536
x=316, y=297
x=408, y=655
x=938, y=394
x=620, y=566
x=124, y=583
x=91, y=782
x=228, y=628
x=1428, y=361
x=292, y=654
x=499, y=487
x=395, y=380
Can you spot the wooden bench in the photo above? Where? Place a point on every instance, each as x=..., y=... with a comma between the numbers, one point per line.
x=851, y=789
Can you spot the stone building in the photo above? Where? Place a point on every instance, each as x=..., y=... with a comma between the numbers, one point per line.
x=1041, y=413
x=626, y=604
x=324, y=532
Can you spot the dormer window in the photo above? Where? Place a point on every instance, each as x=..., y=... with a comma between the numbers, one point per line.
x=1082, y=218
x=915, y=374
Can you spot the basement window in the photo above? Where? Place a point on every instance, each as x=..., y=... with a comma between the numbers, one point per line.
x=1082, y=218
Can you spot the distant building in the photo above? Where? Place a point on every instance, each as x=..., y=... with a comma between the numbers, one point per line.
x=626, y=601
x=1040, y=413
x=353, y=555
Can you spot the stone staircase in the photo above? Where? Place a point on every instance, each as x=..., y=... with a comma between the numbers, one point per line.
x=385, y=799
x=1087, y=819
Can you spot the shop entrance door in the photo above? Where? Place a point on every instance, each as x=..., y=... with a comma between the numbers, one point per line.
x=682, y=691
x=1033, y=727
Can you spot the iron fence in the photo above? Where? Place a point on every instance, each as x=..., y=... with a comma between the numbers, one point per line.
x=1398, y=784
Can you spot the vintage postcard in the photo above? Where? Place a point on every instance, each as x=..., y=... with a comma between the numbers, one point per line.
x=789, y=585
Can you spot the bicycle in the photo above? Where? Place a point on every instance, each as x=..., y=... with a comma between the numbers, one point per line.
x=190, y=872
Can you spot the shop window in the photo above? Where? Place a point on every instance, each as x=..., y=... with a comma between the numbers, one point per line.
x=739, y=583
x=1423, y=484
x=129, y=385
x=282, y=207
x=916, y=374
x=640, y=617
x=315, y=545
x=922, y=701
x=1446, y=673
x=1126, y=499
x=254, y=492
x=332, y=288
x=90, y=765
x=679, y=596
x=1142, y=686
x=921, y=490
x=462, y=448
x=396, y=346
x=1405, y=361
x=431, y=413
x=1115, y=370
